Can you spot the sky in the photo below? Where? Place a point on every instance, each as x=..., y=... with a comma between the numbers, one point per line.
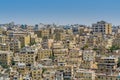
x=59, y=11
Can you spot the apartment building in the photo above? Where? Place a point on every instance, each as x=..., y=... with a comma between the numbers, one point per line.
x=5, y=57
x=44, y=53
x=89, y=55
x=5, y=46
x=107, y=64
x=36, y=74
x=27, y=55
x=15, y=45
x=102, y=27
x=25, y=40
x=84, y=74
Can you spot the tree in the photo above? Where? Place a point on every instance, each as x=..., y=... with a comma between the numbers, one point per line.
x=43, y=70
x=12, y=62
x=52, y=56
x=95, y=49
x=4, y=66
x=114, y=48
x=32, y=43
x=118, y=63
x=84, y=47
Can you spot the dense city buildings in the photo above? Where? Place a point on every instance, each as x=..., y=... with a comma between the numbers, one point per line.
x=59, y=52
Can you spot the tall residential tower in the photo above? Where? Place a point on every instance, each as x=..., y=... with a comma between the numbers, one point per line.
x=102, y=27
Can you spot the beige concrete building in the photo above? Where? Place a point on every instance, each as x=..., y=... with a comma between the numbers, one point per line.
x=5, y=46
x=103, y=76
x=108, y=43
x=75, y=53
x=5, y=57
x=43, y=33
x=83, y=74
x=25, y=40
x=22, y=69
x=89, y=55
x=116, y=42
x=107, y=64
x=15, y=45
x=88, y=65
x=43, y=53
x=102, y=27
x=3, y=38
x=60, y=52
x=57, y=45
x=27, y=56
x=36, y=74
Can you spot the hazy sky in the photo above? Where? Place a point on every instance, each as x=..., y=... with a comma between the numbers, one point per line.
x=59, y=11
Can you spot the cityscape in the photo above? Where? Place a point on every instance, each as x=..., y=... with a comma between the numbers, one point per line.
x=59, y=40
x=60, y=52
